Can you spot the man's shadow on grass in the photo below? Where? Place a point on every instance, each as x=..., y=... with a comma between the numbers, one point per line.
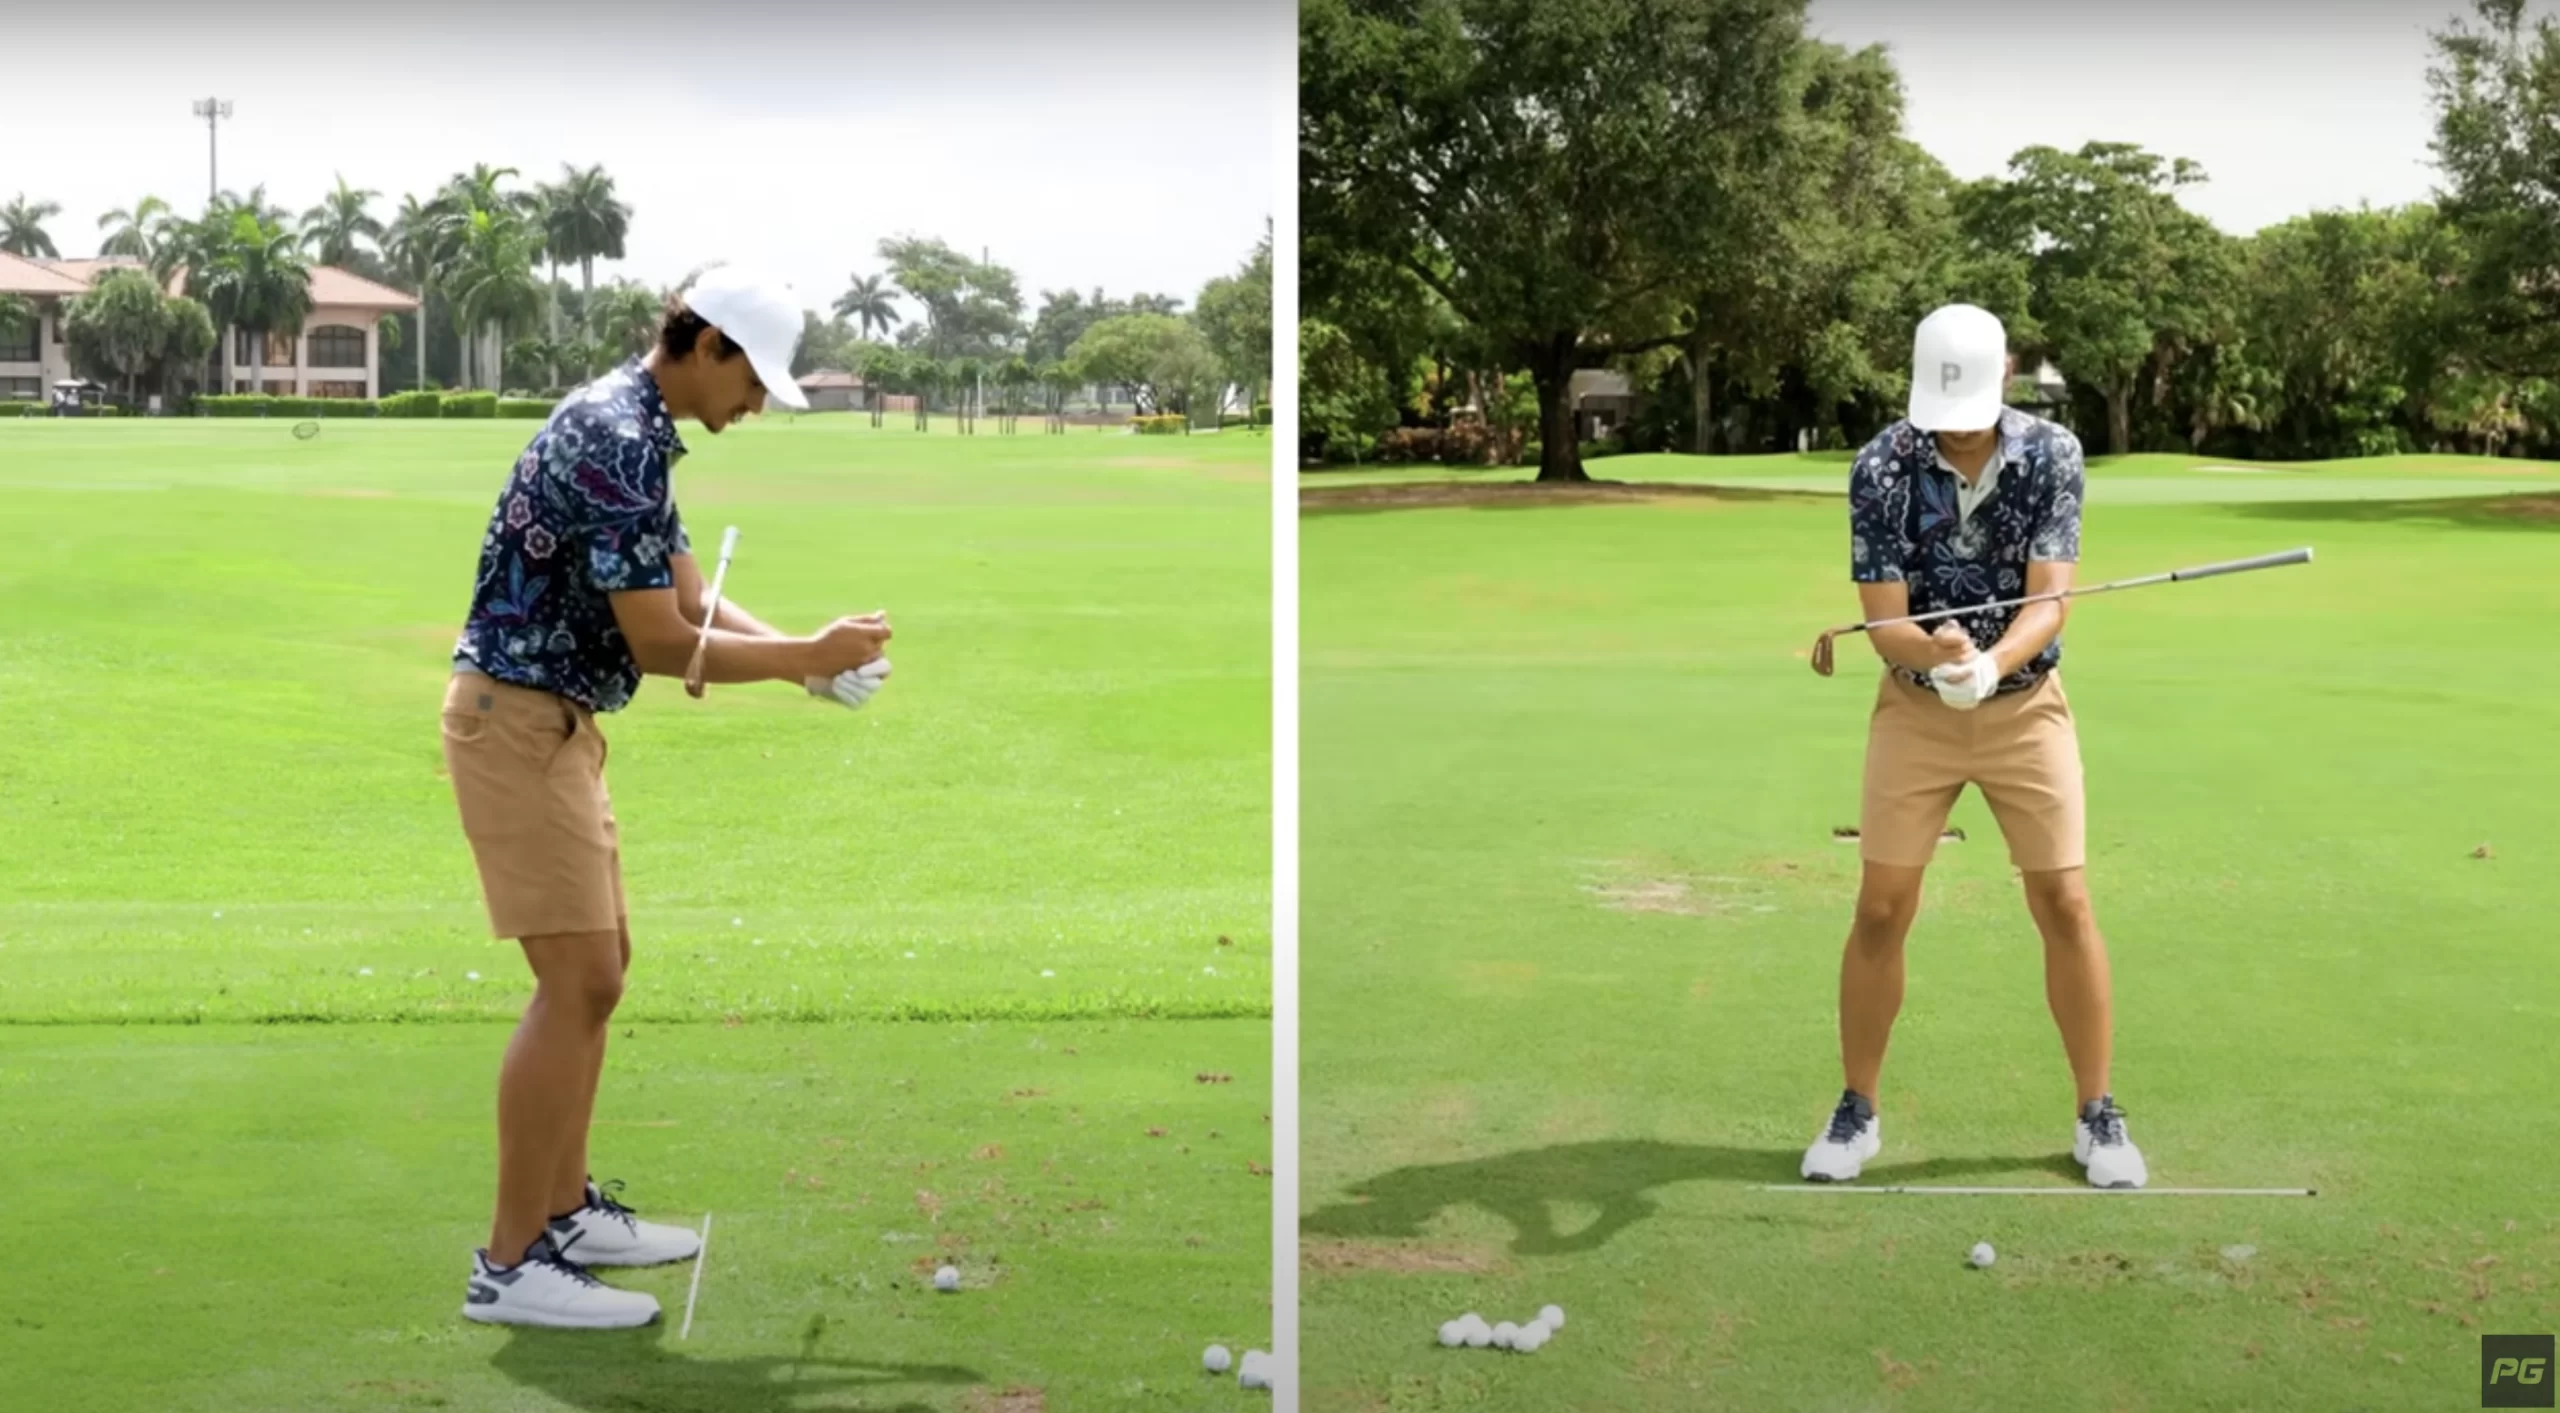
x=638, y=1371
x=1617, y=1176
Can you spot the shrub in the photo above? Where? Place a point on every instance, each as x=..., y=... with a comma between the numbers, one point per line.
x=104, y=409
x=1262, y=414
x=12, y=407
x=419, y=402
x=1531, y=453
x=533, y=407
x=471, y=404
x=1469, y=444
x=1170, y=425
x=1403, y=445
x=1612, y=446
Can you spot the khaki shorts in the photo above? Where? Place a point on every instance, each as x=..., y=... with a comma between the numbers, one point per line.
x=2020, y=750
x=528, y=772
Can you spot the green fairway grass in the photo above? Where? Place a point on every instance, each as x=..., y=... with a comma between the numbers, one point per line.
x=227, y=649
x=1572, y=922
x=253, y=1217
x=856, y=935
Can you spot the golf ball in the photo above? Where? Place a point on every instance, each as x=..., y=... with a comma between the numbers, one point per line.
x=948, y=1278
x=1479, y=1334
x=1532, y=1339
x=1983, y=1254
x=1552, y=1317
x=1505, y=1335
x=1256, y=1371
x=1452, y=1334
x=1217, y=1360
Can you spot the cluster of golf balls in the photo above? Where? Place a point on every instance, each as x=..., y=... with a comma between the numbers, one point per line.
x=1255, y=1372
x=1471, y=1331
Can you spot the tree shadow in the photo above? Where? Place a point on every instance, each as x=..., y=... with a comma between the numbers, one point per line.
x=634, y=1371
x=1380, y=499
x=2527, y=510
x=1617, y=1176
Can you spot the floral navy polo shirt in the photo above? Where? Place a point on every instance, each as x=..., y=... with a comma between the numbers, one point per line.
x=587, y=513
x=1911, y=521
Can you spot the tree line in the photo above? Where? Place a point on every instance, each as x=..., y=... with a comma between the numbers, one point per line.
x=485, y=255
x=1500, y=193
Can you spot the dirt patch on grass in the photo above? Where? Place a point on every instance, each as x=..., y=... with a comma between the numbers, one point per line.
x=1632, y=889
x=2531, y=508
x=1427, y=495
x=1021, y=1398
x=1340, y=1257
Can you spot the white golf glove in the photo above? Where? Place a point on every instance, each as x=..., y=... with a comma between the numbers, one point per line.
x=1968, y=684
x=852, y=689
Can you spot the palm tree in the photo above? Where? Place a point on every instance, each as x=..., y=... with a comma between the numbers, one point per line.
x=623, y=318
x=490, y=283
x=870, y=305
x=22, y=228
x=332, y=229
x=135, y=233
x=254, y=279
x=585, y=222
x=415, y=244
x=256, y=203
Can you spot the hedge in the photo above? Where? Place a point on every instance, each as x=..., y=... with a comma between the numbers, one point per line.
x=1262, y=414
x=267, y=405
x=533, y=407
x=471, y=404
x=417, y=402
x=1173, y=425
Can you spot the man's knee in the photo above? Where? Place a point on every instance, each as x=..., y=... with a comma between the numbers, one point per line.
x=579, y=972
x=2059, y=898
x=1888, y=902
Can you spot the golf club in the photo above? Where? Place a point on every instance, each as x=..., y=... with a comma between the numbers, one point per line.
x=1822, y=662
x=710, y=613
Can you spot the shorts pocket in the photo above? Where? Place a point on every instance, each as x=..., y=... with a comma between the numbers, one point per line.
x=464, y=728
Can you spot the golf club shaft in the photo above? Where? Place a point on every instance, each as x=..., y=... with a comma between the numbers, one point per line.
x=2201, y=571
x=710, y=613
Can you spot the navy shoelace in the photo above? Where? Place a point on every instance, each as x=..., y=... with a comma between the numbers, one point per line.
x=1845, y=1122
x=2106, y=1126
x=606, y=1203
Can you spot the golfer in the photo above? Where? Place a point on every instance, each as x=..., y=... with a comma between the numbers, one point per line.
x=587, y=581
x=1966, y=502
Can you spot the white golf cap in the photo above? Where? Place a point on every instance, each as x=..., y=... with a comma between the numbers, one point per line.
x=759, y=315
x=1959, y=370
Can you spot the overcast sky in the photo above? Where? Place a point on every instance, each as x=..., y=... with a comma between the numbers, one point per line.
x=2290, y=107
x=1121, y=143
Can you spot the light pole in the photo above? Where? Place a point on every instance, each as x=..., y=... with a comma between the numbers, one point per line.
x=213, y=111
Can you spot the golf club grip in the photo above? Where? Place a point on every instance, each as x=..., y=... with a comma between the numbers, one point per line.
x=728, y=544
x=2236, y=566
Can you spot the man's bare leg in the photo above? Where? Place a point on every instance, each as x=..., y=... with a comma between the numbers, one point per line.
x=1871, y=970
x=569, y=1183
x=2077, y=985
x=546, y=1086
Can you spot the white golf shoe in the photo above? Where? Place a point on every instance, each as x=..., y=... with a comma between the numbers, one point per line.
x=548, y=1289
x=1847, y=1142
x=610, y=1234
x=2099, y=1143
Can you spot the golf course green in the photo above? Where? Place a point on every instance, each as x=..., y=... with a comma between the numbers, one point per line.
x=1573, y=908
x=979, y=975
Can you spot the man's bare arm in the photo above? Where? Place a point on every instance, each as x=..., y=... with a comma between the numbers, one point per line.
x=692, y=589
x=1905, y=645
x=2037, y=624
x=662, y=642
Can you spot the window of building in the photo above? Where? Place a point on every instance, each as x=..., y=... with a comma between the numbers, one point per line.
x=23, y=389
x=18, y=345
x=337, y=346
x=338, y=389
